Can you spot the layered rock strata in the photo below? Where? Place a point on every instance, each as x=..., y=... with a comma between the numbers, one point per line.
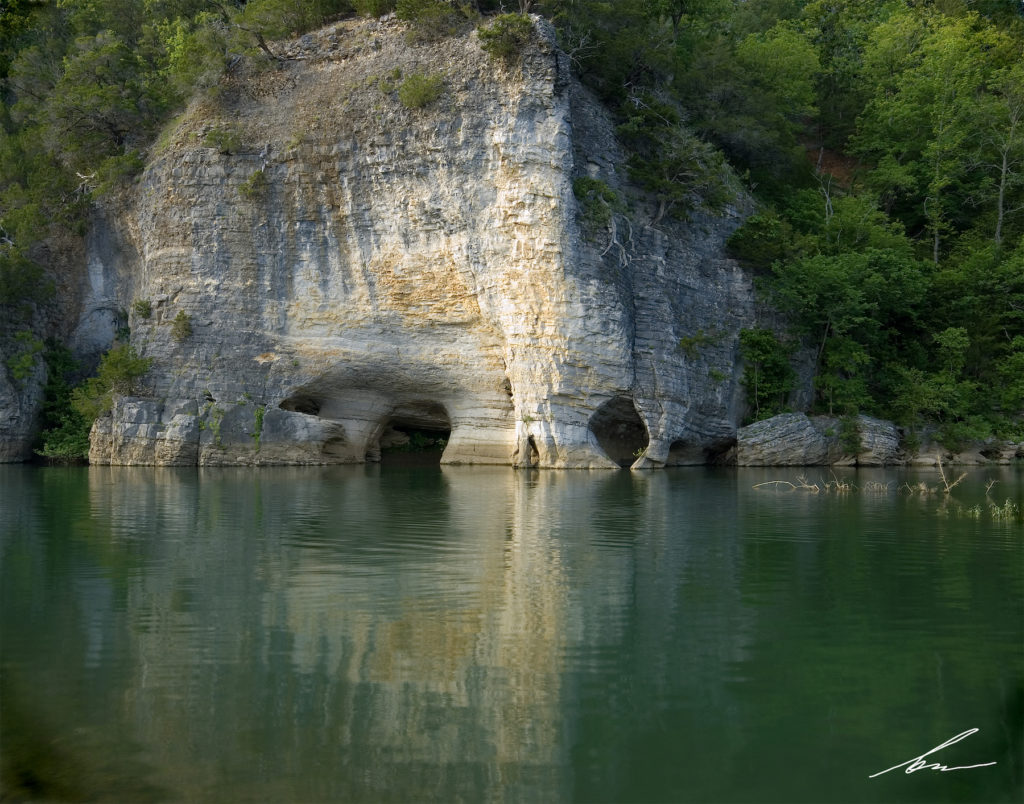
x=795, y=439
x=347, y=268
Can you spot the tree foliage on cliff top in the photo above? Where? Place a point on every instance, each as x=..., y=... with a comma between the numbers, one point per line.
x=885, y=142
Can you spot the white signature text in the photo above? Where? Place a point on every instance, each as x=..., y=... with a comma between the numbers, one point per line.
x=918, y=763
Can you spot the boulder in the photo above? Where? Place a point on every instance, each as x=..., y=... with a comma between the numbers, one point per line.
x=794, y=439
x=789, y=439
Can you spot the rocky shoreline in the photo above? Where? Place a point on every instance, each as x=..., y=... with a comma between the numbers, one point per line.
x=796, y=439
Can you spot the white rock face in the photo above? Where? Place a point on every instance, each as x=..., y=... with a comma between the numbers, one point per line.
x=353, y=267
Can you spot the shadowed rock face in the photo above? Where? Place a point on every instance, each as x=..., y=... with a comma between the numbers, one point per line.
x=19, y=403
x=419, y=268
x=794, y=439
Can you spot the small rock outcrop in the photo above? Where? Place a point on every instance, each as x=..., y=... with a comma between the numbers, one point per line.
x=789, y=439
x=880, y=442
x=795, y=439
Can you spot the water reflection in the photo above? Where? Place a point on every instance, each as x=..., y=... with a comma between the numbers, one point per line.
x=359, y=633
x=408, y=634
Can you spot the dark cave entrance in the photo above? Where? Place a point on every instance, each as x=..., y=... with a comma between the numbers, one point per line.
x=533, y=456
x=682, y=453
x=302, y=403
x=415, y=434
x=619, y=430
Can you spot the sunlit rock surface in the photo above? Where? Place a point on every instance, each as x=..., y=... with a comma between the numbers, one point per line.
x=353, y=267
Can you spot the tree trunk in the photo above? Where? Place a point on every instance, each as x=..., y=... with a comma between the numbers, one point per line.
x=1004, y=170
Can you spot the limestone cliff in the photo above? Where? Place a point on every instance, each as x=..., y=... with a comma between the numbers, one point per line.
x=350, y=266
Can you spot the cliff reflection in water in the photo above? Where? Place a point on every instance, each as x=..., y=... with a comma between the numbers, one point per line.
x=320, y=633
x=412, y=635
x=383, y=634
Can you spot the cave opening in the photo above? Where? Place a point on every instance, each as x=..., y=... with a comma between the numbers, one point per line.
x=301, y=403
x=682, y=453
x=619, y=430
x=534, y=454
x=415, y=433
x=722, y=453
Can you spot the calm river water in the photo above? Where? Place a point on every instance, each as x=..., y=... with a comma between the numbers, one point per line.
x=465, y=634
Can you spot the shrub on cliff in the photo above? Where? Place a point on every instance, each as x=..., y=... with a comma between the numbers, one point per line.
x=119, y=372
x=419, y=90
x=598, y=202
x=22, y=282
x=22, y=360
x=430, y=19
x=373, y=8
x=762, y=240
x=681, y=170
x=280, y=18
x=225, y=140
x=181, y=327
x=252, y=188
x=506, y=36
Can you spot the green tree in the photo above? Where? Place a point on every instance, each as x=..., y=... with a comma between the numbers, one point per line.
x=841, y=381
x=767, y=374
x=64, y=431
x=101, y=107
x=982, y=290
x=850, y=293
x=195, y=51
x=682, y=171
x=682, y=14
x=753, y=96
x=783, y=63
x=920, y=128
x=1001, y=144
x=118, y=374
x=941, y=394
x=840, y=31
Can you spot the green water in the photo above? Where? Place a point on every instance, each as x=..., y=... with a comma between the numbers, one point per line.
x=389, y=634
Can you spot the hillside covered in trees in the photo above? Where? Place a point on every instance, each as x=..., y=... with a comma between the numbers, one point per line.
x=883, y=142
